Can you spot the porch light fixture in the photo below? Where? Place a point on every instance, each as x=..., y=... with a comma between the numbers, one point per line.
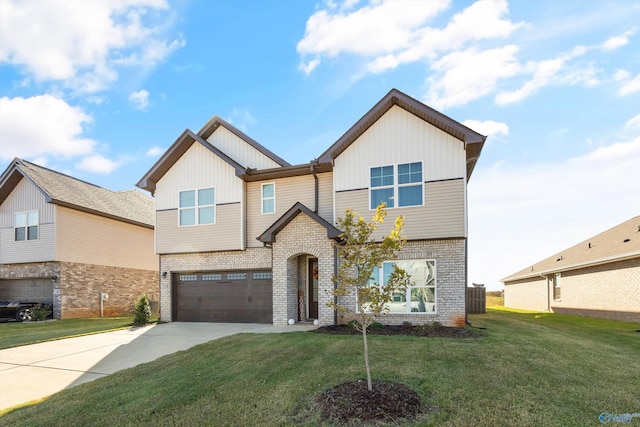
x=164, y=274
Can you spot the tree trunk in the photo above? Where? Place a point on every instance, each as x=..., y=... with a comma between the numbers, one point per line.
x=366, y=358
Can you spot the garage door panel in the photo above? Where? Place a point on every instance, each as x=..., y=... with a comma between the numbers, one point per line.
x=229, y=296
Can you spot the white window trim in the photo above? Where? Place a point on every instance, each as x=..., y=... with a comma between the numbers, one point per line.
x=26, y=227
x=380, y=279
x=196, y=206
x=396, y=185
x=262, y=198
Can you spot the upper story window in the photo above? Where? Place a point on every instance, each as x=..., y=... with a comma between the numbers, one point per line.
x=268, y=198
x=397, y=186
x=26, y=226
x=197, y=207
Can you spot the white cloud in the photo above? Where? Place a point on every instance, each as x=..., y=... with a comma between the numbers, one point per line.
x=82, y=43
x=97, y=163
x=545, y=208
x=42, y=126
x=628, y=85
x=488, y=127
x=140, y=99
x=617, y=42
x=391, y=33
x=241, y=118
x=308, y=67
x=547, y=72
x=379, y=27
x=456, y=85
x=154, y=151
x=633, y=123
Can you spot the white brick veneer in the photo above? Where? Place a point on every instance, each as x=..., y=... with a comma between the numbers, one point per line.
x=302, y=237
x=450, y=285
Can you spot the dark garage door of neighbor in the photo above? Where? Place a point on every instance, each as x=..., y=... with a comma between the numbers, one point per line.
x=223, y=296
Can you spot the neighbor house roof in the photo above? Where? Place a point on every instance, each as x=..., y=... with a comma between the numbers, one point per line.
x=615, y=244
x=269, y=235
x=129, y=206
x=472, y=140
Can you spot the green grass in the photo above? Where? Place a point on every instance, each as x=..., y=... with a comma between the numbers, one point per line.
x=14, y=334
x=532, y=369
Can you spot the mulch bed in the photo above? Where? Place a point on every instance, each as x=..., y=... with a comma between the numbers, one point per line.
x=353, y=403
x=427, y=331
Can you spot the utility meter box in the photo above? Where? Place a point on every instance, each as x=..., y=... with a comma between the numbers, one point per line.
x=104, y=297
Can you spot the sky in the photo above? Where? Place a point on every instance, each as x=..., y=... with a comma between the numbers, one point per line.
x=100, y=89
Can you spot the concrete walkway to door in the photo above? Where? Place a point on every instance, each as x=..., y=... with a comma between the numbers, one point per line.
x=35, y=371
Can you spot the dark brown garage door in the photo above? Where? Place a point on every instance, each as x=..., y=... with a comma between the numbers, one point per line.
x=223, y=296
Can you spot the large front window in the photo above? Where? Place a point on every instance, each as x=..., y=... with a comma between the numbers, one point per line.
x=197, y=207
x=420, y=294
x=26, y=226
x=397, y=186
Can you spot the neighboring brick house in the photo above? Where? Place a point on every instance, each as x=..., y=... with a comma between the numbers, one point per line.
x=65, y=242
x=599, y=277
x=243, y=236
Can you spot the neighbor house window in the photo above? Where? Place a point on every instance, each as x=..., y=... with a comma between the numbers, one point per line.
x=197, y=206
x=268, y=198
x=556, y=287
x=26, y=226
x=420, y=294
x=397, y=186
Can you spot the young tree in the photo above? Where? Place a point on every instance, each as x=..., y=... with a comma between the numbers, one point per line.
x=360, y=254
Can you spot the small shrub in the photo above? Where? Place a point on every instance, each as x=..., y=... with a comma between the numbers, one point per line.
x=40, y=312
x=406, y=324
x=354, y=324
x=142, y=311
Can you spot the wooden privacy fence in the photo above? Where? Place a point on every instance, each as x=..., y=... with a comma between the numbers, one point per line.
x=476, y=300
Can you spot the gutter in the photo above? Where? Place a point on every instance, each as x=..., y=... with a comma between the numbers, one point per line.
x=593, y=263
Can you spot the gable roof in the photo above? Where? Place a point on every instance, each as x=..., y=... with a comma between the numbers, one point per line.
x=187, y=138
x=615, y=244
x=129, y=206
x=472, y=140
x=269, y=235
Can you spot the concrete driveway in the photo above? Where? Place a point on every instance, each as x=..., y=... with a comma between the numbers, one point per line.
x=35, y=371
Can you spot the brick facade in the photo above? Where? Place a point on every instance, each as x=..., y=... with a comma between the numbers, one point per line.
x=450, y=283
x=302, y=238
x=609, y=291
x=77, y=287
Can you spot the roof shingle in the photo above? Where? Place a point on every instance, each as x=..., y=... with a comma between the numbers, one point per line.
x=130, y=206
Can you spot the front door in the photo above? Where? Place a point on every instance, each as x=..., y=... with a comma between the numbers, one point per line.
x=313, y=288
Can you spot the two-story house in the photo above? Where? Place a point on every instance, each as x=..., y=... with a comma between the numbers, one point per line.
x=84, y=250
x=243, y=236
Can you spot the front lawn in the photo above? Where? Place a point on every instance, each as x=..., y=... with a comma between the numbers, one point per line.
x=532, y=369
x=14, y=334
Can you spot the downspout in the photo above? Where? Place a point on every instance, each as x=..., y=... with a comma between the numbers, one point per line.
x=316, y=188
x=548, y=293
x=335, y=286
